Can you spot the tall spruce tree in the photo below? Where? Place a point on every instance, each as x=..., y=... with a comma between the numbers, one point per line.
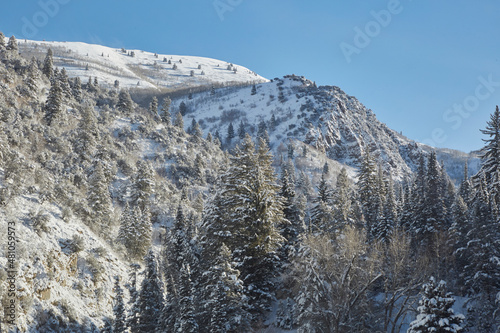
x=54, y=105
x=166, y=117
x=250, y=211
x=48, y=64
x=435, y=313
x=490, y=154
x=368, y=192
x=125, y=103
x=151, y=296
x=120, y=320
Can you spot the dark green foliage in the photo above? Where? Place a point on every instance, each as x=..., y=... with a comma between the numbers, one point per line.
x=54, y=106
x=435, y=313
x=165, y=114
x=244, y=214
x=125, y=103
x=183, y=108
x=119, y=323
x=230, y=133
x=48, y=64
x=151, y=296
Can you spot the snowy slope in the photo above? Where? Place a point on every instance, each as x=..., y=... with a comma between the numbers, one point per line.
x=144, y=70
x=325, y=118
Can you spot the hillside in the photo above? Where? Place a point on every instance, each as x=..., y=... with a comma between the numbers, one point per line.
x=325, y=117
x=138, y=68
x=252, y=200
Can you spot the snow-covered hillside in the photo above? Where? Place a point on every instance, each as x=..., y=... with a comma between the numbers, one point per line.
x=137, y=68
x=325, y=118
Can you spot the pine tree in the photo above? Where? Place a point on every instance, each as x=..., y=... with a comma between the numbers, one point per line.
x=12, y=44
x=245, y=215
x=153, y=106
x=2, y=40
x=241, y=130
x=143, y=185
x=435, y=311
x=254, y=90
x=135, y=231
x=230, y=133
x=33, y=78
x=77, y=89
x=262, y=132
x=186, y=321
x=465, y=189
x=225, y=301
x=133, y=313
x=482, y=272
x=179, y=121
x=342, y=200
x=64, y=83
x=165, y=114
x=182, y=108
x=434, y=210
x=119, y=323
x=48, y=64
x=99, y=198
x=151, y=296
x=368, y=192
x=88, y=136
x=490, y=154
x=125, y=103
x=321, y=213
x=196, y=132
x=54, y=104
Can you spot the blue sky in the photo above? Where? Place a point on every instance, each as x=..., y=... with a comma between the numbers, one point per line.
x=430, y=69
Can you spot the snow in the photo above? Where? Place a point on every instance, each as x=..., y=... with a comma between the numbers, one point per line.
x=110, y=64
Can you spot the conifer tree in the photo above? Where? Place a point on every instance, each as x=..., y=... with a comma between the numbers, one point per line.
x=12, y=44
x=254, y=90
x=48, y=64
x=186, y=321
x=151, y=296
x=321, y=213
x=490, y=154
x=241, y=130
x=225, y=302
x=182, y=108
x=435, y=311
x=368, y=194
x=434, y=204
x=153, y=106
x=99, y=198
x=54, y=105
x=88, y=136
x=165, y=114
x=179, y=121
x=133, y=312
x=143, y=185
x=342, y=200
x=230, y=133
x=125, y=103
x=64, y=83
x=77, y=89
x=119, y=323
x=245, y=216
x=33, y=78
x=2, y=40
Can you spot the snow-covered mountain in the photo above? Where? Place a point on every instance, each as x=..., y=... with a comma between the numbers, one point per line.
x=325, y=117
x=137, y=68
